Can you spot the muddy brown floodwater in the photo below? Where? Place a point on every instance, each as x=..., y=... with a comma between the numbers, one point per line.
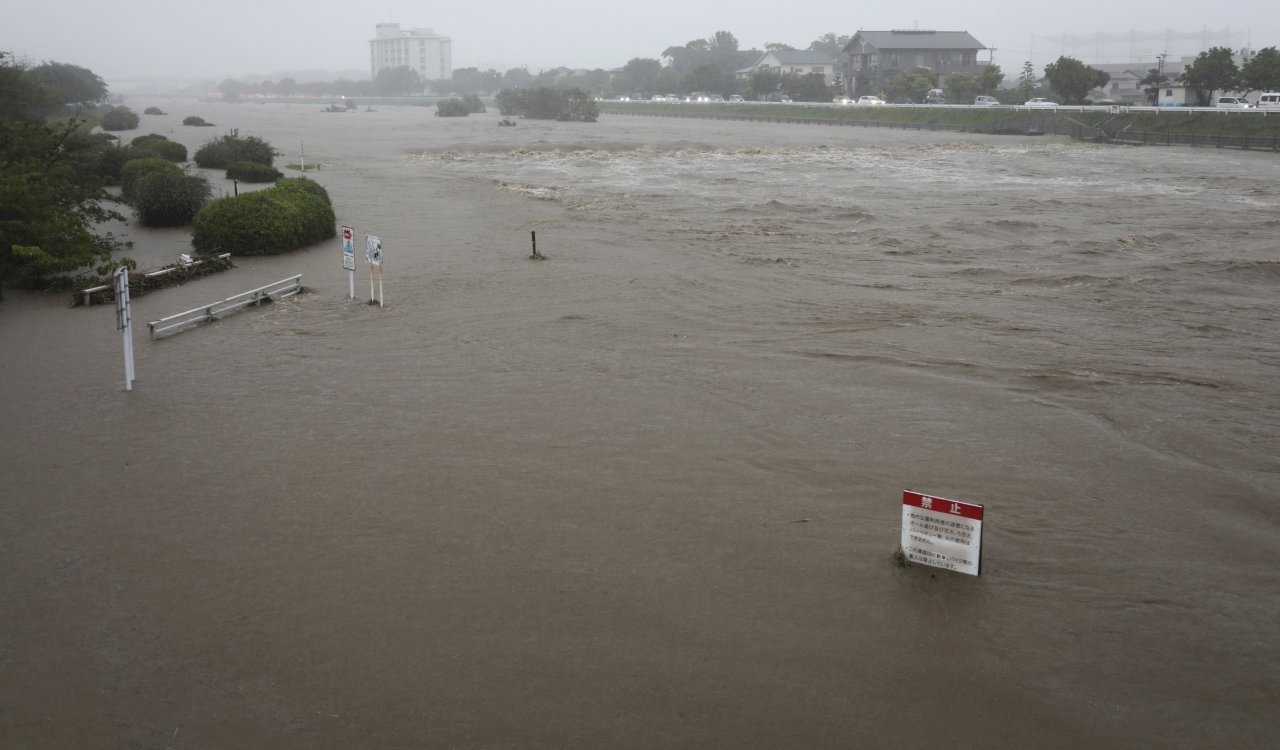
x=647, y=493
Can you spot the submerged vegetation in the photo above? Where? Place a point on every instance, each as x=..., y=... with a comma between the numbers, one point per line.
x=545, y=103
x=220, y=153
x=293, y=214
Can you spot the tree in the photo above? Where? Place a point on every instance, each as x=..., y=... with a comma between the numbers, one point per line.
x=119, y=118
x=640, y=74
x=69, y=85
x=990, y=79
x=707, y=77
x=809, y=87
x=1027, y=80
x=169, y=199
x=21, y=96
x=1262, y=72
x=1152, y=83
x=763, y=82
x=1072, y=79
x=829, y=44
x=960, y=88
x=778, y=47
x=401, y=81
x=912, y=86
x=50, y=201
x=220, y=152
x=518, y=78
x=1213, y=70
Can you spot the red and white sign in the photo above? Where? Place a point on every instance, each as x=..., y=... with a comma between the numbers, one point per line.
x=942, y=533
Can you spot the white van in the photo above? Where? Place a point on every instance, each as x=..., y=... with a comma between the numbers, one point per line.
x=1269, y=100
x=1232, y=102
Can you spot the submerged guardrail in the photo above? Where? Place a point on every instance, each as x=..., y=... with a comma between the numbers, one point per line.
x=271, y=292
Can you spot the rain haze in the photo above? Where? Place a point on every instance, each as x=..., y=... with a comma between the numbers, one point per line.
x=157, y=39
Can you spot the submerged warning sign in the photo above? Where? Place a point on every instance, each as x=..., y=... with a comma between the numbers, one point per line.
x=942, y=533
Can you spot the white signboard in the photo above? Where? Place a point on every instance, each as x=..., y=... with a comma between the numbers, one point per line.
x=373, y=249
x=942, y=533
x=348, y=249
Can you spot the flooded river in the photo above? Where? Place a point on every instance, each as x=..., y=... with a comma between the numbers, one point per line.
x=647, y=493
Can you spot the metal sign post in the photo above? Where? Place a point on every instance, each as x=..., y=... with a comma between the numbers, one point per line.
x=124, y=322
x=373, y=254
x=349, y=259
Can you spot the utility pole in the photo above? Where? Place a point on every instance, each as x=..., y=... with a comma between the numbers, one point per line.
x=1160, y=75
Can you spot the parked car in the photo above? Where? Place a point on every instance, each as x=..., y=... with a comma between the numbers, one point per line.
x=1040, y=101
x=986, y=101
x=1232, y=102
x=736, y=98
x=714, y=98
x=870, y=101
x=842, y=100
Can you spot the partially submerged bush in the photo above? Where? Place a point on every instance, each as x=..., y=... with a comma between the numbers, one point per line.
x=196, y=122
x=545, y=103
x=219, y=153
x=248, y=171
x=278, y=219
x=136, y=169
x=169, y=198
x=119, y=118
x=153, y=111
x=160, y=146
x=459, y=107
x=309, y=185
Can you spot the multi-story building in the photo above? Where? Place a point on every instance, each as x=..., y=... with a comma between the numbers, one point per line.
x=421, y=50
x=873, y=58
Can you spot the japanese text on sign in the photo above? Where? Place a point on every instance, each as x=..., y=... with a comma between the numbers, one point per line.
x=942, y=533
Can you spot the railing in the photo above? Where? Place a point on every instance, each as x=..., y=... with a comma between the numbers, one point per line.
x=271, y=292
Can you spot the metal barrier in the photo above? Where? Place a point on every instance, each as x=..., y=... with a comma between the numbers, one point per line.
x=271, y=292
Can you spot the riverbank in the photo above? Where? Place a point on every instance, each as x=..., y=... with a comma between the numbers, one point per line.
x=1207, y=128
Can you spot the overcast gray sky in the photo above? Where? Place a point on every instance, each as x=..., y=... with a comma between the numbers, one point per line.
x=132, y=39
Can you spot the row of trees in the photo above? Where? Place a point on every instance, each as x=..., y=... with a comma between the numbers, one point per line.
x=1216, y=70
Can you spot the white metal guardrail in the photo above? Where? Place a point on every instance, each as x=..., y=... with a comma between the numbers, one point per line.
x=275, y=291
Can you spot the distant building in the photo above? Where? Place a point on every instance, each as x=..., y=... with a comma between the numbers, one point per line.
x=422, y=50
x=873, y=58
x=794, y=61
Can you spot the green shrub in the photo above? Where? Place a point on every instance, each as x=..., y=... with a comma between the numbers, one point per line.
x=459, y=107
x=152, y=111
x=196, y=122
x=169, y=198
x=109, y=158
x=452, y=108
x=158, y=145
x=544, y=103
x=276, y=220
x=119, y=118
x=136, y=169
x=248, y=171
x=219, y=153
x=311, y=186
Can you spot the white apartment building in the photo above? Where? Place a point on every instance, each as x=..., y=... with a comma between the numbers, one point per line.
x=422, y=50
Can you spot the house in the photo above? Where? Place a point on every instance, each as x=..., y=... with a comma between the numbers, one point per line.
x=421, y=50
x=873, y=58
x=1126, y=79
x=794, y=61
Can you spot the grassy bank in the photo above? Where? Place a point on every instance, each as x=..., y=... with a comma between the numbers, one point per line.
x=984, y=120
